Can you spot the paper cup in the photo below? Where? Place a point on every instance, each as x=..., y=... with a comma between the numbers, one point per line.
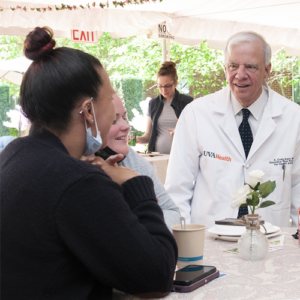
x=190, y=243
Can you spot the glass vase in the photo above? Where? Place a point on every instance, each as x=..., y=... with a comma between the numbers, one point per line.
x=253, y=244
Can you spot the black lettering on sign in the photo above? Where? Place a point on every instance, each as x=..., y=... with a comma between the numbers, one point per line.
x=162, y=28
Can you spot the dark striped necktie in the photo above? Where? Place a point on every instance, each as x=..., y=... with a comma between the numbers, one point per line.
x=247, y=140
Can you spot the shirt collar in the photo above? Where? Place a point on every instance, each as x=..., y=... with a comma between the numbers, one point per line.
x=175, y=98
x=255, y=108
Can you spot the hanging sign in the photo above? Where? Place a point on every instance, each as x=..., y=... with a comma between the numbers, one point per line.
x=163, y=32
x=83, y=36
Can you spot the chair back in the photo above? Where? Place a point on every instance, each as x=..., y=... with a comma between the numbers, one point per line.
x=4, y=140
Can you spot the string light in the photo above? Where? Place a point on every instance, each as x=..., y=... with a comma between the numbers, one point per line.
x=74, y=7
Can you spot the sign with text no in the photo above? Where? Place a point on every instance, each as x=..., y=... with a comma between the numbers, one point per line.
x=163, y=32
x=83, y=36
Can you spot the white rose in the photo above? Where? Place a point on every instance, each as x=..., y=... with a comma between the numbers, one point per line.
x=240, y=196
x=255, y=177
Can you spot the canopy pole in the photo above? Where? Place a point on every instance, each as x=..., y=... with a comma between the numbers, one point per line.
x=164, y=54
x=169, y=50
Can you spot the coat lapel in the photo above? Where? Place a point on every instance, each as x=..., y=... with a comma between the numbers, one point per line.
x=267, y=124
x=228, y=123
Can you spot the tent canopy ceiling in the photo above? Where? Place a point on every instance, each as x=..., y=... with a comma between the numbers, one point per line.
x=190, y=21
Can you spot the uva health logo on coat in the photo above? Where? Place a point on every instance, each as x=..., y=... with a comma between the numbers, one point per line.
x=217, y=156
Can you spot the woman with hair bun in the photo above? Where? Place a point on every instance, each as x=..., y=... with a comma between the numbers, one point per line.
x=164, y=111
x=70, y=229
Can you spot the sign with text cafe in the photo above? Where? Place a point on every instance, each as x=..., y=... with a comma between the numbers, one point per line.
x=83, y=36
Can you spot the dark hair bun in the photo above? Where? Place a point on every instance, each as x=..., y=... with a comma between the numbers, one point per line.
x=39, y=43
x=168, y=65
x=168, y=68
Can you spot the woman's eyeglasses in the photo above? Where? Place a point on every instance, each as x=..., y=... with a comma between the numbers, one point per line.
x=166, y=87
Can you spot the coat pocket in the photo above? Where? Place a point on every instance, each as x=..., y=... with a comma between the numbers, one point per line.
x=282, y=193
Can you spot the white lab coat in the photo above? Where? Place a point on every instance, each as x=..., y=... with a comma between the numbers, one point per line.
x=202, y=184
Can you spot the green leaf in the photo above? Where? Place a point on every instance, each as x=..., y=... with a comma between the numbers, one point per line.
x=267, y=188
x=253, y=202
x=249, y=202
x=250, y=186
x=256, y=187
x=266, y=204
x=254, y=194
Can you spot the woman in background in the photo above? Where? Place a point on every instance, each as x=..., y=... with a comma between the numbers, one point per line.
x=117, y=143
x=69, y=230
x=164, y=111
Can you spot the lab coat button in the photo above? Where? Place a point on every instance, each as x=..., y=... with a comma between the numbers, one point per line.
x=247, y=166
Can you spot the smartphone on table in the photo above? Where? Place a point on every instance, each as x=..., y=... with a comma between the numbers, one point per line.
x=191, y=277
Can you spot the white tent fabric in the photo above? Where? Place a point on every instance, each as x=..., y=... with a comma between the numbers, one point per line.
x=12, y=70
x=190, y=21
x=119, y=22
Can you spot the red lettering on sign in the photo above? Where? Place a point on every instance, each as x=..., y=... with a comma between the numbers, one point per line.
x=82, y=34
x=75, y=38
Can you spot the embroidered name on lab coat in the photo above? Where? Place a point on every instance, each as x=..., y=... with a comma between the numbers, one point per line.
x=282, y=161
x=217, y=156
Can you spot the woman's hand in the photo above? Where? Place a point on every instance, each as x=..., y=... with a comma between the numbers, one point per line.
x=112, y=160
x=110, y=167
x=172, y=131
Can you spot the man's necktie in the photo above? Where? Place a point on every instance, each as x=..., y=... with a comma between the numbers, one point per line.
x=247, y=139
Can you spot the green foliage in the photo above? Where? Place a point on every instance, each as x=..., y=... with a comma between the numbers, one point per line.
x=11, y=46
x=14, y=132
x=282, y=66
x=260, y=191
x=296, y=87
x=266, y=188
x=131, y=91
x=253, y=193
x=141, y=57
x=253, y=202
x=286, y=71
x=4, y=108
x=267, y=203
x=14, y=89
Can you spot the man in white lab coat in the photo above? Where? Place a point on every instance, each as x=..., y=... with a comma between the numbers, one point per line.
x=208, y=159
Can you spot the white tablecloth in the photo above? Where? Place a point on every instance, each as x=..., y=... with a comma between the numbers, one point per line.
x=159, y=165
x=275, y=277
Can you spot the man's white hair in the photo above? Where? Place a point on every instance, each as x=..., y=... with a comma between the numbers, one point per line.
x=248, y=37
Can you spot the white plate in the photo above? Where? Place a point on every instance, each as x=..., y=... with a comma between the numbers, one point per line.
x=150, y=154
x=239, y=230
x=236, y=238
